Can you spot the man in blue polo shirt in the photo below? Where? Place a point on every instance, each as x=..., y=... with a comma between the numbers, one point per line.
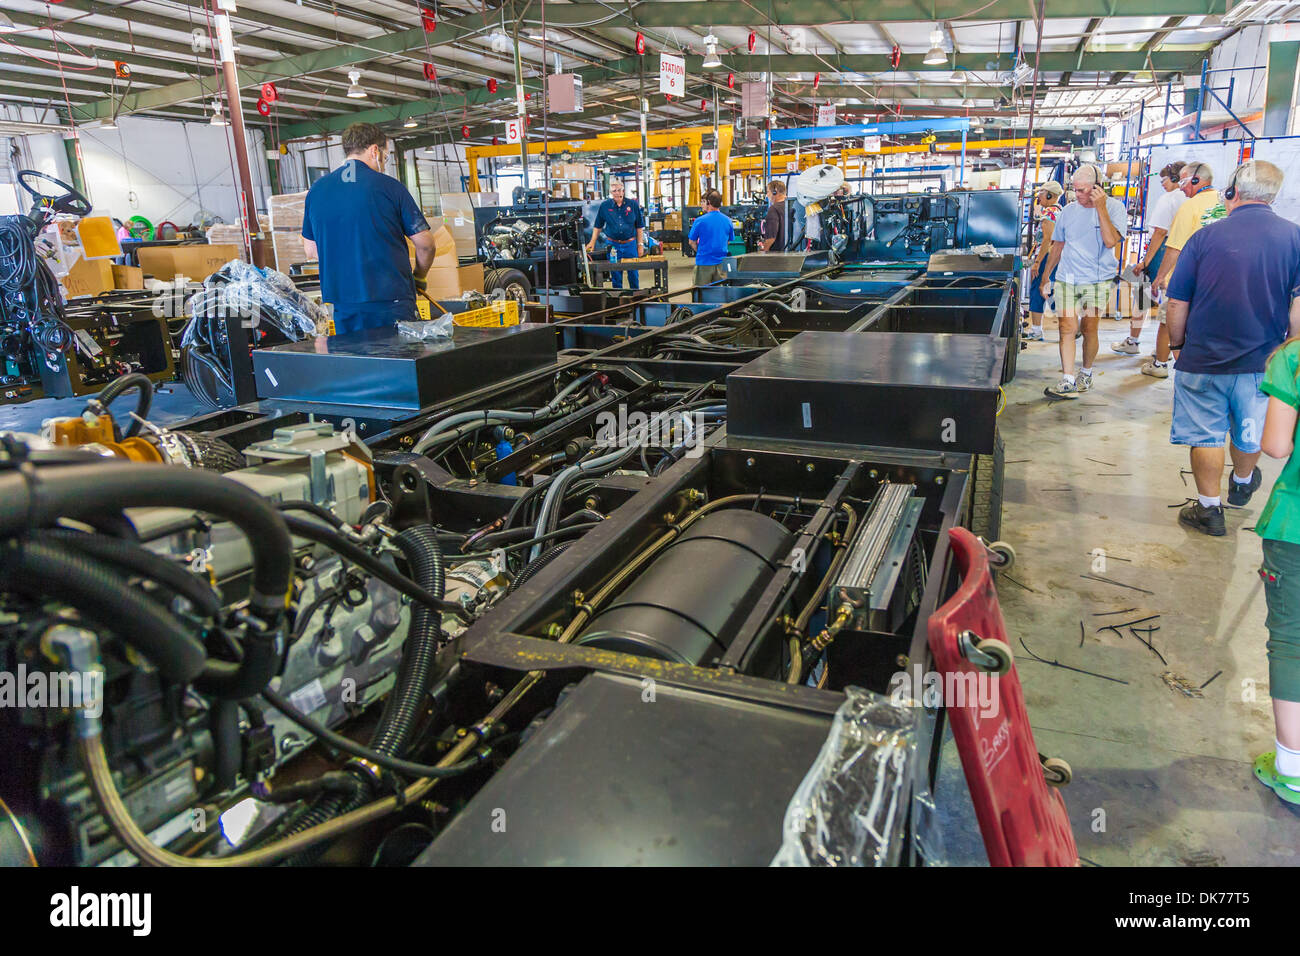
x=1232, y=301
x=356, y=221
x=709, y=236
x=623, y=225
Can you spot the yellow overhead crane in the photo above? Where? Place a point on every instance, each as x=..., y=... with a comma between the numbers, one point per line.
x=691, y=137
x=781, y=161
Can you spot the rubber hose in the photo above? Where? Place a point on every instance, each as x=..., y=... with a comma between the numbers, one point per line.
x=106, y=487
x=419, y=545
x=48, y=571
x=227, y=748
x=235, y=680
x=138, y=560
x=541, y=561
x=116, y=387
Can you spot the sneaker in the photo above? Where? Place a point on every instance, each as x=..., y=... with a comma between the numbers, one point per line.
x=1155, y=369
x=1029, y=335
x=1125, y=347
x=1239, y=494
x=1205, y=520
x=1066, y=389
x=1083, y=381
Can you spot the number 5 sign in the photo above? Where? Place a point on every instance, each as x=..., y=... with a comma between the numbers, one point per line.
x=515, y=130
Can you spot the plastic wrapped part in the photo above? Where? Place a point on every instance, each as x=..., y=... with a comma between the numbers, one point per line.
x=430, y=331
x=852, y=807
x=258, y=295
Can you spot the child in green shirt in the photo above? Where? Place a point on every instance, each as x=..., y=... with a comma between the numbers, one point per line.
x=1279, y=526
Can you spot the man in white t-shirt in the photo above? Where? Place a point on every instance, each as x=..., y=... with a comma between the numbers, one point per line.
x=1163, y=208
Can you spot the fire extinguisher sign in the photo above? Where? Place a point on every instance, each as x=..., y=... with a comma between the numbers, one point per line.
x=672, y=74
x=514, y=130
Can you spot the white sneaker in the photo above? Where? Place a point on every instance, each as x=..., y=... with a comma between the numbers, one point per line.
x=1125, y=347
x=1066, y=389
x=1155, y=369
x=1029, y=335
x=1083, y=380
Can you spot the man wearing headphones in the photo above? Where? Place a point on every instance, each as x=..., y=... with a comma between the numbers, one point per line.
x=1202, y=207
x=1231, y=303
x=1085, y=244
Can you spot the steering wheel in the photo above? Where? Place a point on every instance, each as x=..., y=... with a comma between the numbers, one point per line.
x=68, y=201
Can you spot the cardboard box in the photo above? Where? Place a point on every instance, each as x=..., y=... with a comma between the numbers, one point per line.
x=285, y=220
x=447, y=278
x=128, y=277
x=193, y=262
x=458, y=217
x=88, y=277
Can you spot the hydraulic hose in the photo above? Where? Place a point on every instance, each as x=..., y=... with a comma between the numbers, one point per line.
x=36, y=498
x=116, y=387
x=46, y=571
x=419, y=545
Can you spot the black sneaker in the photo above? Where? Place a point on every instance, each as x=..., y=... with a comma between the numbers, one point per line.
x=1205, y=520
x=1240, y=494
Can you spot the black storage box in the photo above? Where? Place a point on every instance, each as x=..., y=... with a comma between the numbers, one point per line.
x=380, y=368
x=936, y=391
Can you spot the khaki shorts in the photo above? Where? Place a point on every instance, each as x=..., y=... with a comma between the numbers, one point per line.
x=705, y=275
x=1073, y=298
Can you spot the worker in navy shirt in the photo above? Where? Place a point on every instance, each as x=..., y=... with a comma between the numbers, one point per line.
x=623, y=225
x=709, y=236
x=356, y=221
x=1232, y=301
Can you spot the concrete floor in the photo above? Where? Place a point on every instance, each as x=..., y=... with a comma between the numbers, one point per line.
x=1160, y=778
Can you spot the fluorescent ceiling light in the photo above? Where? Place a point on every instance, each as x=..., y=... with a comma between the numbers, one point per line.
x=356, y=91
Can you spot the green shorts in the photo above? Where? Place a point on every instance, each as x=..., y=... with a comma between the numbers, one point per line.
x=1075, y=297
x=1281, y=574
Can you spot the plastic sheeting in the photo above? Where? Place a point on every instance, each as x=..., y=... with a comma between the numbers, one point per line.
x=431, y=331
x=852, y=809
x=257, y=295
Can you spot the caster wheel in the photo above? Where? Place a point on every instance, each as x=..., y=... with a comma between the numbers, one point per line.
x=1000, y=652
x=1001, y=555
x=1056, y=772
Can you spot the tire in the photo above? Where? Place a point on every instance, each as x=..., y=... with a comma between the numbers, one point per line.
x=985, y=494
x=511, y=281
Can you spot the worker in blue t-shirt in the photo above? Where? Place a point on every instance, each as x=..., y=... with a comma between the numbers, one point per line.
x=709, y=236
x=356, y=221
x=623, y=225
